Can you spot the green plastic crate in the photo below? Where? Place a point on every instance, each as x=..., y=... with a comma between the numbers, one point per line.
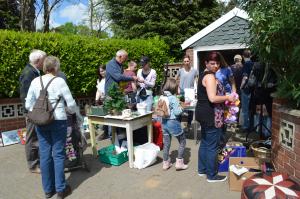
x=106, y=156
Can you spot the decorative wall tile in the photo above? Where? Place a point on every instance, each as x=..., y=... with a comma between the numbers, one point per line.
x=286, y=134
x=8, y=111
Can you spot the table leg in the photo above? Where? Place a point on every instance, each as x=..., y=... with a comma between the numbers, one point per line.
x=113, y=134
x=93, y=138
x=129, y=133
x=150, y=132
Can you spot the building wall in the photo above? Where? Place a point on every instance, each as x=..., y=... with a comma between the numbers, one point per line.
x=11, y=112
x=286, y=140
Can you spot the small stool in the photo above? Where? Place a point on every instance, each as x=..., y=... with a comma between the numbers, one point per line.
x=273, y=185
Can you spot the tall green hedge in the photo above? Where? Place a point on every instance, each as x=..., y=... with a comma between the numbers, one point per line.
x=79, y=56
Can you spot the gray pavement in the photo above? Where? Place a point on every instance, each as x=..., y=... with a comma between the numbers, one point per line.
x=111, y=182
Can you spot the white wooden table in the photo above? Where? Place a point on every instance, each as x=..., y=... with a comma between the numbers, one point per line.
x=130, y=124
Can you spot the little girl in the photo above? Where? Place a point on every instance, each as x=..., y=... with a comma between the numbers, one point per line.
x=171, y=126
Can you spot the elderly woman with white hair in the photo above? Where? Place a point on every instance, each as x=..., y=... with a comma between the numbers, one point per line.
x=31, y=71
x=52, y=137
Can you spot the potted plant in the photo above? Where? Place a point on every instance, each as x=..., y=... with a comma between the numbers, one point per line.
x=114, y=102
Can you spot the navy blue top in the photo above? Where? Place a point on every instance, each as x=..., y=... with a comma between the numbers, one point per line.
x=114, y=74
x=247, y=68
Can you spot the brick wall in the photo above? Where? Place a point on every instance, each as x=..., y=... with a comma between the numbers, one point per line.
x=286, y=140
x=11, y=112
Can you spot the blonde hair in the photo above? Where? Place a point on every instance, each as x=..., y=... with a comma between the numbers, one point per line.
x=121, y=53
x=171, y=86
x=51, y=64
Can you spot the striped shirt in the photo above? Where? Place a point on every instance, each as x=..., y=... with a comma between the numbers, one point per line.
x=58, y=87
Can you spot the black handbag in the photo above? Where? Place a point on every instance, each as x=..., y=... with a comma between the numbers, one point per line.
x=143, y=93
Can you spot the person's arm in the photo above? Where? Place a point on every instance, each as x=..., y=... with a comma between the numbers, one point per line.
x=151, y=82
x=133, y=85
x=30, y=98
x=231, y=79
x=98, y=95
x=66, y=94
x=25, y=81
x=116, y=74
x=209, y=81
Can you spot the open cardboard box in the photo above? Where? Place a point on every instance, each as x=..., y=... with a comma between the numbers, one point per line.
x=235, y=181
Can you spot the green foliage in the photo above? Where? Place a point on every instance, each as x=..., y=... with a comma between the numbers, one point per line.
x=275, y=38
x=9, y=15
x=80, y=57
x=174, y=21
x=115, y=99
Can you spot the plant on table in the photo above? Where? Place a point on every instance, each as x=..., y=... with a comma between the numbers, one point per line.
x=114, y=102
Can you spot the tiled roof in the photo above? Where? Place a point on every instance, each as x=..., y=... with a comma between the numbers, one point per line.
x=234, y=31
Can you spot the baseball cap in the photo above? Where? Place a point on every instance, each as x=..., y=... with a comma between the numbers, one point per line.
x=145, y=60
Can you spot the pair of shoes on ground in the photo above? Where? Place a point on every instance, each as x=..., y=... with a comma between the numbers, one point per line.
x=60, y=195
x=217, y=178
x=35, y=169
x=179, y=165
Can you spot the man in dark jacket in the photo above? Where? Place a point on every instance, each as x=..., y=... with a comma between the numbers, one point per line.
x=31, y=71
x=114, y=70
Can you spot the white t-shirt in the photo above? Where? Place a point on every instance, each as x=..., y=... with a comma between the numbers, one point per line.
x=101, y=86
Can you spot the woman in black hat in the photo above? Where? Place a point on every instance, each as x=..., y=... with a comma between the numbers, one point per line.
x=147, y=78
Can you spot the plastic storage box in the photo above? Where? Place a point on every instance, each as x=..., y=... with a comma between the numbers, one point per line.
x=107, y=155
x=235, y=151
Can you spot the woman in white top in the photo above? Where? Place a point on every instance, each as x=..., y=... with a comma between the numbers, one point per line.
x=147, y=78
x=100, y=84
x=52, y=137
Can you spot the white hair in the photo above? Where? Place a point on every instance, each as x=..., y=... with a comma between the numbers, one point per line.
x=36, y=55
x=121, y=53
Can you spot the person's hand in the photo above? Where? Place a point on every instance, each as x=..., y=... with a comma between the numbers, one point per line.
x=135, y=78
x=141, y=80
x=231, y=98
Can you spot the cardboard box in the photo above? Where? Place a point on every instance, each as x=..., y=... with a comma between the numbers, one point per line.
x=235, y=181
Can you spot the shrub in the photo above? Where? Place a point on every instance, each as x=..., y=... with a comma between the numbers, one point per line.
x=79, y=56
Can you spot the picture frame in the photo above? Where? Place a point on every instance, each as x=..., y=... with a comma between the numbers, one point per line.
x=10, y=137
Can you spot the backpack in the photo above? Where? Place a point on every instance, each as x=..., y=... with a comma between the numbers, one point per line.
x=162, y=109
x=42, y=112
x=251, y=80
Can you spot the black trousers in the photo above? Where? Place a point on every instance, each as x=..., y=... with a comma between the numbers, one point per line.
x=31, y=146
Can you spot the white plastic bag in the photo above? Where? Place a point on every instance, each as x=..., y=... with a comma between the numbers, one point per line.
x=145, y=155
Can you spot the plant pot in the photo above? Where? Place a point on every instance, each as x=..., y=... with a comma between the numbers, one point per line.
x=116, y=112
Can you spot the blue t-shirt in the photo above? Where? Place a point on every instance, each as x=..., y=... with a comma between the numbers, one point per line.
x=223, y=75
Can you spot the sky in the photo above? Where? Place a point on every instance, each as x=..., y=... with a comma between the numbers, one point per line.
x=75, y=11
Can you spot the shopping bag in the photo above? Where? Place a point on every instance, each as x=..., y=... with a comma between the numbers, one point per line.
x=145, y=155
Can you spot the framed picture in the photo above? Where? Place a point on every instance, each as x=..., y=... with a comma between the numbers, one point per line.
x=1, y=143
x=10, y=137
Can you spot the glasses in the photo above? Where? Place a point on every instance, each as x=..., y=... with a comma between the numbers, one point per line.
x=186, y=61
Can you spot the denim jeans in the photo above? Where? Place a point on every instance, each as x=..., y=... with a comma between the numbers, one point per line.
x=52, y=139
x=267, y=121
x=207, y=154
x=149, y=102
x=245, y=109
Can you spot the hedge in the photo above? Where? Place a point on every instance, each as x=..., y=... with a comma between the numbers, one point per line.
x=79, y=56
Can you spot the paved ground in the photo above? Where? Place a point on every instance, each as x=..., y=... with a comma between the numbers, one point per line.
x=111, y=182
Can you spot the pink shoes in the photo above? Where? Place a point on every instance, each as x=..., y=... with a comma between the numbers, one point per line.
x=180, y=164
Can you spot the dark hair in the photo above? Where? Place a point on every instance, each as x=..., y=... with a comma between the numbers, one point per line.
x=247, y=53
x=171, y=85
x=145, y=60
x=186, y=56
x=217, y=57
x=102, y=66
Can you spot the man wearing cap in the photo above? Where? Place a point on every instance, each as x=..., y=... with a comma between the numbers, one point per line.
x=237, y=72
x=147, y=78
x=114, y=70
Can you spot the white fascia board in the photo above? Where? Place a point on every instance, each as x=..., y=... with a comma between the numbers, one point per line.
x=234, y=12
x=220, y=47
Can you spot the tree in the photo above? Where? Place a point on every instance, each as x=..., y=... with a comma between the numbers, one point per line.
x=172, y=20
x=226, y=7
x=9, y=14
x=275, y=38
x=27, y=15
x=97, y=17
x=48, y=6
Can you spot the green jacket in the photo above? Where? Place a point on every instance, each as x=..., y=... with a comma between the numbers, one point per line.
x=27, y=75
